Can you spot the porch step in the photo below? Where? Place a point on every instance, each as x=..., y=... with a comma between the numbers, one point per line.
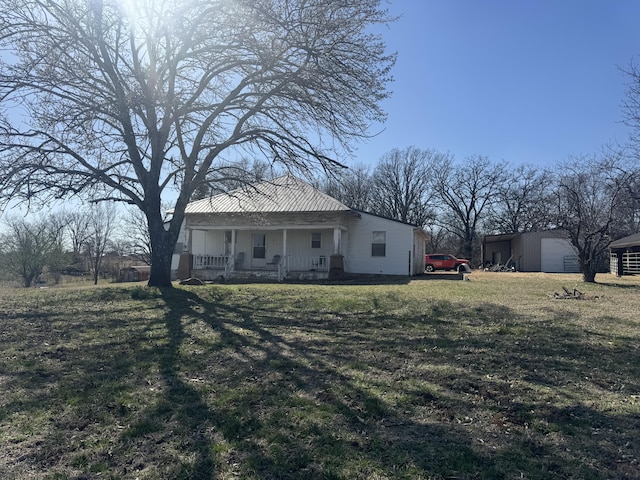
x=257, y=275
x=217, y=275
x=254, y=275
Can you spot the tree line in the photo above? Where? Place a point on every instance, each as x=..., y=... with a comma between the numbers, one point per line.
x=594, y=199
x=77, y=243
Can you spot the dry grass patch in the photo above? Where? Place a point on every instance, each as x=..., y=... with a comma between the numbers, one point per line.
x=489, y=378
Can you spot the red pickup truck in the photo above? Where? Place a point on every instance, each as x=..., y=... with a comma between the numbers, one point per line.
x=440, y=261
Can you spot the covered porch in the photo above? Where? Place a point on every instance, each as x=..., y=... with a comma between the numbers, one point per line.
x=273, y=254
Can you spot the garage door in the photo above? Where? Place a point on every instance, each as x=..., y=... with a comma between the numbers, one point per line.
x=558, y=256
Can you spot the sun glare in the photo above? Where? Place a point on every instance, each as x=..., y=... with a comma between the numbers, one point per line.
x=131, y=9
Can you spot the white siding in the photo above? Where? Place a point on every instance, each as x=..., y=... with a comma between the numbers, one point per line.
x=274, y=244
x=198, y=242
x=399, y=246
x=299, y=243
x=207, y=242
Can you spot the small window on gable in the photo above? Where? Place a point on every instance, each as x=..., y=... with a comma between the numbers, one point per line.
x=316, y=240
x=378, y=244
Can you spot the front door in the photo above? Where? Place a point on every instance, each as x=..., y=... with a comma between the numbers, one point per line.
x=259, y=250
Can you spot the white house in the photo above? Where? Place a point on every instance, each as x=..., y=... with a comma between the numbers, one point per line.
x=286, y=229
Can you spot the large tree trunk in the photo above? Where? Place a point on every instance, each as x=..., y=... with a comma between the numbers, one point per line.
x=161, y=255
x=589, y=276
x=163, y=243
x=588, y=271
x=28, y=280
x=467, y=246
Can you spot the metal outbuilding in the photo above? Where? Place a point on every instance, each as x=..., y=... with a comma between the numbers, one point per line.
x=544, y=251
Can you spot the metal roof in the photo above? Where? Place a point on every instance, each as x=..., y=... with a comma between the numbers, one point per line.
x=630, y=241
x=282, y=194
x=500, y=237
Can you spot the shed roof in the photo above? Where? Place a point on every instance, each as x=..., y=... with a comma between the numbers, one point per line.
x=138, y=268
x=630, y=241
x=500, y=237
x=282, y=194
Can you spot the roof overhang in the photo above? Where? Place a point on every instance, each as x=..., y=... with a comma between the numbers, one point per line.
x=500, y=238
x=630, y=241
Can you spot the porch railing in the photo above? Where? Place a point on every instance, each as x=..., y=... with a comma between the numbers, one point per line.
x=288, y=263
x=213, y=262
x=306, y=264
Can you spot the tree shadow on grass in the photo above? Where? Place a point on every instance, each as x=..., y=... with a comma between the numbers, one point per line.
x=220, y=387
x=287, y=407
x=274, y=410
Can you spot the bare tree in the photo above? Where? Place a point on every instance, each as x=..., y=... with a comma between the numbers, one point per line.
x=466, y=192
x=630, y=209
x=140, y=101
x=234, y=175
x=631, y=105
x=119, y=245
x=351, y=186
x=102, y=223
x=77, y=232
x=401, y=185
x=522, y=201
x=137, y=230
x=237, y=174
x=631, y=113
x=590, y=192
x=440, y=240
x=31, y=246
x=78, y=229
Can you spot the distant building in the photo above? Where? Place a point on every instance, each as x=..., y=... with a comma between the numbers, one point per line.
x=625, y=255
x=545, y=251
x=135, y=273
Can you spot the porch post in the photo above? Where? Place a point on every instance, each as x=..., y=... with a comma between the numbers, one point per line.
x=284, y=242
x=185, y=263
x=619, y=263
x=233, y=243
x=337, y=239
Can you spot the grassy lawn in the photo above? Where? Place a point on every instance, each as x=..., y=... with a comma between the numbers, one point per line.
x=430, y=379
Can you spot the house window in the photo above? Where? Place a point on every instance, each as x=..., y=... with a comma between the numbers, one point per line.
x=316, y=240
x=378, y=244
x=259, y=246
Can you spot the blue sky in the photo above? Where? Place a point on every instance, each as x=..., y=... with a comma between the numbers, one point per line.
x=526, y=81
